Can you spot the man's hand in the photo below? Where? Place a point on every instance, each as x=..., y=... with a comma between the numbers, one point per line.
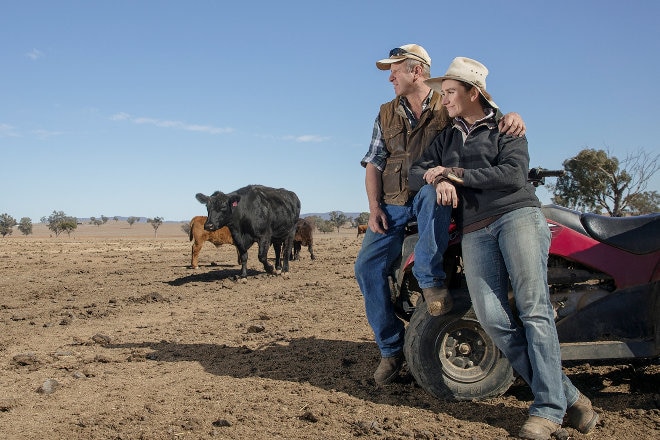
x=512, y=124
x=446, y=194
x=432, y=173
x=377, y=220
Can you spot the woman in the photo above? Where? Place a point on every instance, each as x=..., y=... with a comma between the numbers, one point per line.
x=506, y=239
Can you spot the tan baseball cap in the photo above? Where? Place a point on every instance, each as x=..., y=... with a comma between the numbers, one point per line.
x=466, y=70
x=407, y=51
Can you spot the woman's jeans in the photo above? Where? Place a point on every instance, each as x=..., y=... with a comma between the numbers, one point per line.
x=380, y=252
x=515, y=248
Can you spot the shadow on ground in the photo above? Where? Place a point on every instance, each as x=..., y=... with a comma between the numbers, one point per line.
x=213, y=276
x=347, y=367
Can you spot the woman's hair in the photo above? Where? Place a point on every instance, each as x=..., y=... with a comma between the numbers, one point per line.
x=484, y=96
x=426, y=69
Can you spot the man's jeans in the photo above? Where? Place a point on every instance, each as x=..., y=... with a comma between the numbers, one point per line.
x=380, y=252
x=515, y=247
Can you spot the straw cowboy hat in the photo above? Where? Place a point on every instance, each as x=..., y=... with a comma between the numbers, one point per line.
x=466, y=70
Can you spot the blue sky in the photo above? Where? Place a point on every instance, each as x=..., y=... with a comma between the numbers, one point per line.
x=132, y=107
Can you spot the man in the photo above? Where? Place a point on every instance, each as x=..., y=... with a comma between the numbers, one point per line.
x=404, y=127
x=505, y=241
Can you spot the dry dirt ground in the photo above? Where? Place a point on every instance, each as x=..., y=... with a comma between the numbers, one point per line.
x=108, y=334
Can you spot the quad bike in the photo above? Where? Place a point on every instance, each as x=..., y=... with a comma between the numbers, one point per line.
x=604, y=279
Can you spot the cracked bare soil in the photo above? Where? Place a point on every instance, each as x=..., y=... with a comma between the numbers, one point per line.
x=108, y=334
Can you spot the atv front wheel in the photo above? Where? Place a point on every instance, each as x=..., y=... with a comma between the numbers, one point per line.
x=451, y=357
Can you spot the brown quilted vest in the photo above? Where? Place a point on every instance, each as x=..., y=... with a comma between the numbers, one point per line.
x=405, y=144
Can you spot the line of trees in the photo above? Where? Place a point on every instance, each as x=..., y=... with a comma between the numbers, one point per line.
x=595, y=181
x=59, y=222
x=336, y=220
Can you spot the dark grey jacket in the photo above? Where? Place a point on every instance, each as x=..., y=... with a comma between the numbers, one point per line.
x=494, y=168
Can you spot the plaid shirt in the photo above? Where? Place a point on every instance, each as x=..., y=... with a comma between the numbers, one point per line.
x=488, y=120
x=377, y=154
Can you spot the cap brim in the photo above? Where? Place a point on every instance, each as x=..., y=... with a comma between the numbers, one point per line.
x=386, y=63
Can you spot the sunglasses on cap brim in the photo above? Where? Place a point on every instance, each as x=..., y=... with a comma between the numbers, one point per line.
x=398, y=52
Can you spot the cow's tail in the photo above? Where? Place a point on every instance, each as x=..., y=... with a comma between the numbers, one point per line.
x=190, y=234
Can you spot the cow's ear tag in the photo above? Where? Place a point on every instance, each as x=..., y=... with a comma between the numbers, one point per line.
x=234, y=204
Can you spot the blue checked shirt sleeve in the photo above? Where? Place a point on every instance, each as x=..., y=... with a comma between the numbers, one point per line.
x=377, y=154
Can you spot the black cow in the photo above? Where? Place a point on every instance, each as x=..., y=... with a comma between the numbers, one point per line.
x=256, y=213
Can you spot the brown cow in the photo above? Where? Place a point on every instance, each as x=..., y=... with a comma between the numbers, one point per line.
x=201, y=235
x=304, y=237
x=362, y=229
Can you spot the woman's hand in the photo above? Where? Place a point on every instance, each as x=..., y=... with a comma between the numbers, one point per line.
x=446, y=194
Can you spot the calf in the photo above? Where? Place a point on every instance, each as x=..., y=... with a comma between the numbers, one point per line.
x=362, y=229
x=198, y=235
x=256, y=213
x=304, y=237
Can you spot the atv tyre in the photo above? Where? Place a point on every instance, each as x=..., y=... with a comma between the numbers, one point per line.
x=451, y=356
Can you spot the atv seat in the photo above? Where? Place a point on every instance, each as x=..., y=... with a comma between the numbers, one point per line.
x=564, y=216
x=639, y=235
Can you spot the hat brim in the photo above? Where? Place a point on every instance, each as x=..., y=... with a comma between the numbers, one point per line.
x=436, y=85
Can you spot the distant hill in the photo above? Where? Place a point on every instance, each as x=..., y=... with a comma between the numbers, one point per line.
x=323, y=215
x=326, y=215
x=111, y=219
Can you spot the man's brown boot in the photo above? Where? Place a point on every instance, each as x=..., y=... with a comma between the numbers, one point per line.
x=388, y=369
x=438, y=300
x=537, y=428
x=581, y=415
